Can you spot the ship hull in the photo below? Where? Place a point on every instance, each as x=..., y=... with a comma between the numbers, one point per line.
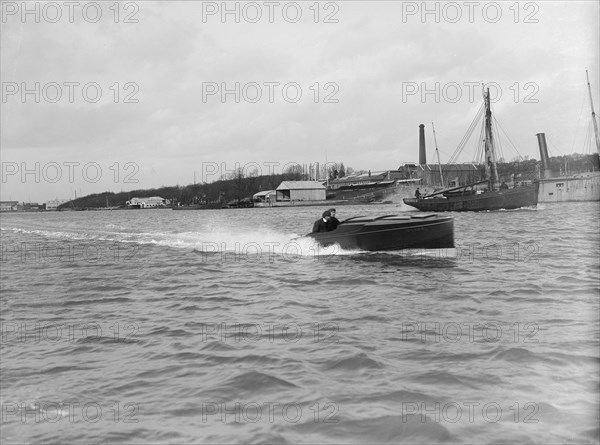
x=524, y=196
x=211, y=206
x=391, y=233
x=363, y=193
x=581, y=187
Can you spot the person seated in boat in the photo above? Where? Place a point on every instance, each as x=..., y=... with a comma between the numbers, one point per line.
x=320, y=225
x=418, y=193
x=333, y=221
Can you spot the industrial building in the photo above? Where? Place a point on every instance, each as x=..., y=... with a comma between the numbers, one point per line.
x=9, y=206
x=440, y=175
x=147, y=203
x=446, y=175
x=300, y=191
x=54, y=203
x=264, y=198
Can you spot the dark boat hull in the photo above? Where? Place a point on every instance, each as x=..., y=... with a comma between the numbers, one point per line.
x=373, y=193
x=391, y=233
x=524, y=196
x=210, y=206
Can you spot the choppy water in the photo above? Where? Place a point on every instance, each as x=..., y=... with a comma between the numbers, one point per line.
x=219, y=327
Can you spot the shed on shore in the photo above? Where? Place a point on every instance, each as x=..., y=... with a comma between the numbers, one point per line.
x=301, y=191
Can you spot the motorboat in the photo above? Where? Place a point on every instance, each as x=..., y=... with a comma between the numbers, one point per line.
x=391, y=232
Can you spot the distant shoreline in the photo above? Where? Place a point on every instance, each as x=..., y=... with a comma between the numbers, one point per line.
x=275, y=205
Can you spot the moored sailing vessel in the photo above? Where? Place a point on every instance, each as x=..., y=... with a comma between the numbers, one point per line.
x=468, y=198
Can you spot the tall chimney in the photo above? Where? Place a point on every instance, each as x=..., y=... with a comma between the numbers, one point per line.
x=422, y=154
x=544, y=155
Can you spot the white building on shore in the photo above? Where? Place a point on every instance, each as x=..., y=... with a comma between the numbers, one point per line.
x=290, y=191
x=9, y=206
x=54, y=203
x=147, y=203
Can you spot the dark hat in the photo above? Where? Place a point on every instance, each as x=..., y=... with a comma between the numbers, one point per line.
x=332, y=210
x=326, y=213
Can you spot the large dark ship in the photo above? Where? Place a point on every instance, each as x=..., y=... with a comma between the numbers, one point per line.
x=468, y=199
x=472, y=197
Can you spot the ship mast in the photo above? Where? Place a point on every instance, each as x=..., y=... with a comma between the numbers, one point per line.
x=593, y=114
x=490, y=161
x=437, y=152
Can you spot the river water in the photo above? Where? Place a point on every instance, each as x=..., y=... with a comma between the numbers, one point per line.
x=223, y=326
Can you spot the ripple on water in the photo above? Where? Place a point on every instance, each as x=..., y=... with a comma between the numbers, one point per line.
x=374, y=330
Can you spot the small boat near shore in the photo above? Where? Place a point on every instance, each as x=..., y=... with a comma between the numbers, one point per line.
x=391, y=232
x=208, y=206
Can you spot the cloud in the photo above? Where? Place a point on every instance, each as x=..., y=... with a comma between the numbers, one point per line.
x=154, y=76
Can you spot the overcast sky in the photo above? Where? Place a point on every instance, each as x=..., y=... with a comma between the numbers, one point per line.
x=131, y=97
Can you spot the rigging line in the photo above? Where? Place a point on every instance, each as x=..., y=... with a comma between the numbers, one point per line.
x=587, y=143
x=507, y=137
x=467, y=135
x=498, y=143
x=479, y=155
x=557, y=149
x=431, y=155
x=478, y=118
x=584, y=101
x=548, y=143
x=498, y=150
x=497, y=127
x=436, y=149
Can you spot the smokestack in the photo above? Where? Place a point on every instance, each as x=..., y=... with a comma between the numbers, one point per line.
x=422, y=154
x=544, y=155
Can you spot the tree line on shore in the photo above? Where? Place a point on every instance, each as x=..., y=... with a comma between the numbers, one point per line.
x=239, y=186
x=233, y=188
